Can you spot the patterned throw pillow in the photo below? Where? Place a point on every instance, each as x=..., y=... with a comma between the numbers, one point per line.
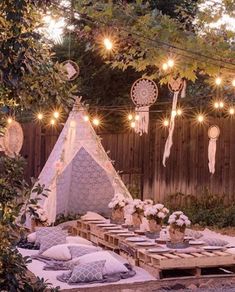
x=55, y=237
x=42, y=231
x=78, y=251
x=87, y=273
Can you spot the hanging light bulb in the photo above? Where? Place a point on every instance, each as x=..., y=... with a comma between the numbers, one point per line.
x=233, y=82
x=170, y=63
x=231, y=111
x=56, y=114
x=166, y=123
x=221, y=104
x=108, y=44
x=96, y=121
x=200, y=118
x=216, y=104
x=40, y=116
x=173, y=113
x=130, y=117
x=164, y=66
x=137, y=117
x=179, y=112
x=86, y=118
x=218, y=81
x=52, y=122
x=133, y=125
x=9, y=120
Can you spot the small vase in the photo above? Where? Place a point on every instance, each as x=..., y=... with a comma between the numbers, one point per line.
x=176, y=234
x=136, y=220
x=117, y=216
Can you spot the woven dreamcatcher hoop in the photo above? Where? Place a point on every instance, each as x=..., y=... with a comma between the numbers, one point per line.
x=72, y=70
x=12, y=141
x=213, y=134
x=144, y=93
x=175, y=85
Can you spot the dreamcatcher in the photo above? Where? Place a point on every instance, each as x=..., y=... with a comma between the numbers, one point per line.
x=175, y=86
x=144, y=93
x=213, y=134
x=72, y=70
x=12, y=141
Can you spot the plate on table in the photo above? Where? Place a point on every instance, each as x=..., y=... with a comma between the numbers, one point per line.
x=113, y=228
x=188, y=238
x=147, y=243
x=136, y=239
x=140, y=232
x=159, y=250
x=106, y=225
x=95, y=220
x=125, y=234
x=196, y=242
x=119, y=231
x=213, y=248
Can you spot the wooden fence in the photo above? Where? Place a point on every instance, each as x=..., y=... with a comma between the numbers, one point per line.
x=140, y=158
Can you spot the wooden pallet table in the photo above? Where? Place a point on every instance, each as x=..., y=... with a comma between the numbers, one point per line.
x=192, y=264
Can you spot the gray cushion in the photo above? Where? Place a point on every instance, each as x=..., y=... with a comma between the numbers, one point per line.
x=214, y=241
x=193, y=233
x=54, y=238
x=78, y=251
x=87, y=273
x=42, y=231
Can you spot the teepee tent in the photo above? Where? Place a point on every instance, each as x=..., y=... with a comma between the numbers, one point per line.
x=78, y=172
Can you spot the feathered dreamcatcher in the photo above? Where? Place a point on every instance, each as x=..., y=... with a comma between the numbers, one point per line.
x=175, y=86
x=144, y=93
x=213, y=134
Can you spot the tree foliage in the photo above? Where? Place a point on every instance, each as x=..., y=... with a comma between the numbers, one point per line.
x=145, y=37
x=29, y=76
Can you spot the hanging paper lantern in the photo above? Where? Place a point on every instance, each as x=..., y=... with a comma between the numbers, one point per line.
x=12, y=141
x=144, y=93
x=72, y=69
x=175, y=86
x=213, y=134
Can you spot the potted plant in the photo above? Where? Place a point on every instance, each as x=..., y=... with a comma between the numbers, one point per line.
x=38, y=217
x=117, y=205
x=178, y=223
x=136, y=210
x=155, y=215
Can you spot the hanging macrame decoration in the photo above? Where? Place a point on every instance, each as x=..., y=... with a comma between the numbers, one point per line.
x=72, y=70
x=144, y=93
x=175, y=86
x=12, y=141
x=213, y=134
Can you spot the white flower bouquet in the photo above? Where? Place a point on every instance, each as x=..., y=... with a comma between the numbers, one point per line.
x=118, y=202
x=156, y=212
x=136, y=206
x=179, y=221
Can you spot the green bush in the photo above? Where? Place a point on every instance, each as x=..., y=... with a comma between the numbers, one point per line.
x=205, y=209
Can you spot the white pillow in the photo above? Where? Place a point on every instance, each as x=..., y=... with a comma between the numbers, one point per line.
x=92, y=216
x=78, y=239
x=31, y=237
x=61, y=252
x=112, y=265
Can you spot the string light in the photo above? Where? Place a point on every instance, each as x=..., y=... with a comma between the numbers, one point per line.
x=170, y=63
x=218, y=104
x=137, y=117
x=52, y=122
x=56, y=115
x=40, y=116
x=218, y=81
x=86, y=118
x=108, y=44
x=9, y=120
x=166, y=123
x=233, y=82
x=179, y=112
x=132, y=124
x=96, y=121
x=200, y=118
x=164, y=66
x=130, y=117
x=231, y=111
x=221, y=104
